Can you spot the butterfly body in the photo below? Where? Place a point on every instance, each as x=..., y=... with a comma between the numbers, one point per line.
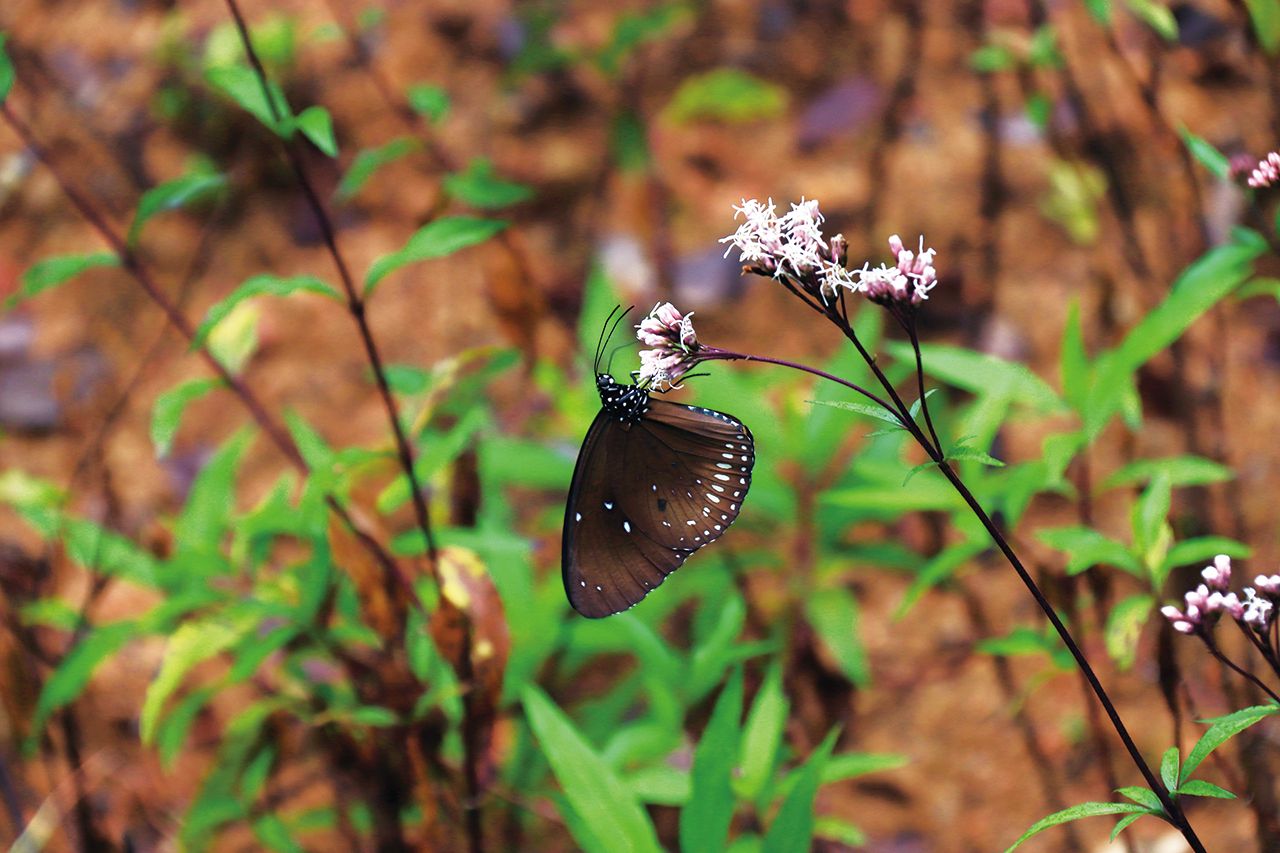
x=654, y=482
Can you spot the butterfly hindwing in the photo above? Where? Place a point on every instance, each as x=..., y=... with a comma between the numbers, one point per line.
x=645, y=496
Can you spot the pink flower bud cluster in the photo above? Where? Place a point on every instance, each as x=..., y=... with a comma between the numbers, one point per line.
x=1267, y=172
x=672, y=346
x=1208, y=601
x=908, y=282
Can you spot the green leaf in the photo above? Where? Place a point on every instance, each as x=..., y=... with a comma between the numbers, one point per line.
x=51, y=272
x=603, y=803
x=211, y=501
x=6, y=69
x=1124, y=628
x=1201, y=788
x=833, y=613
x=234, y=340
x=916, y=469
x=434, y=240
x=275, y=835
x=1211, y=158
x=1088, y=548
x=982, y=374
x=1144, y=797
x=317, y=125
x=1075, y=813
x=1075, y=361
x=877, y=412
x=372, y=715
x=191, y=644
x=369, y=161
x=171, y=195
x=1200, y=286
x=762, y=735
x=975, y=455
x=1124, y=823
x=1100, y=10
x=479, y=186
x=1169, y=768
x=726, y=95
x=1151, y=512
x=1265, y=17
x=172, y=732
x=166, y=415
x=1179, y=470
x=1201, y=549
x=1157, y=16
x=441, y=449
x=430, y=102
x=704, y=821
x=260, y=285
x=73, y=672
x=629, y=142
x=840, y=831
x=241, y=85
x=792, y=828
x=1221, y=730
x=991, y=58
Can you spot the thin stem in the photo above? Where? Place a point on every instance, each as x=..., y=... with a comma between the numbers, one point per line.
x=717, y=354
x=910, y=326
x=1263, y=649
x=1241, y=671
x=1173, y=812
x=355, y=302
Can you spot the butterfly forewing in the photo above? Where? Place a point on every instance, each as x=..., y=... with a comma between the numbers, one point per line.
x=645, y=496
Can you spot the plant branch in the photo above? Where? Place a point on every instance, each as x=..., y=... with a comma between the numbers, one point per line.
x=1239, y=670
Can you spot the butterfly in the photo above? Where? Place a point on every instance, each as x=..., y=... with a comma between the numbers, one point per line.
x=654, y=482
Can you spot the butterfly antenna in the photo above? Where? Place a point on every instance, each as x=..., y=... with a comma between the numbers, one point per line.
x=595, y=365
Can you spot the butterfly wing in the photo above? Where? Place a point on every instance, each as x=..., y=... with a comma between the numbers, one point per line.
x=647, y=495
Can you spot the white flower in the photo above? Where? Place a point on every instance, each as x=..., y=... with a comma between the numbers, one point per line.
x=1218, y=576
x=672, y=344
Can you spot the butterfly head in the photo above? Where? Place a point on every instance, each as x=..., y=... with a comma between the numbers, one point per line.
x=625, y=403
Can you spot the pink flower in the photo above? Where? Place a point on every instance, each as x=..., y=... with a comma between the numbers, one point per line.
x=1267, y=172
x=673, y=345
x=908, y=282
x=1218, y=576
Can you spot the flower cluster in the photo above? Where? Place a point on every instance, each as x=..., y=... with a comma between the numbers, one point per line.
x=1267, y=172
x=1204, y=605
x=793, y=245
x=673, y=346
x=909, y=281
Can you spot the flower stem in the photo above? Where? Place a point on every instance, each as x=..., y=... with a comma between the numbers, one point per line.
x=1239, y=670
x=707, y=353
x=1173, y=811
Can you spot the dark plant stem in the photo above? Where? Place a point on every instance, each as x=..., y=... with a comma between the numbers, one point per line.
x=355, y=302
x=717, y=354
x=1234, y=667
x=1172, y=811
x=1264, y=649
x=910, y=326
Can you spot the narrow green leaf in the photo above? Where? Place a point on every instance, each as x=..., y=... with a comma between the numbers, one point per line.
x=72, y=674
x=211, y=501
x=600, y=799
x=171, y=195
x=762, y=735
x=189, y=645
x=792, y=828
x=1169, y=768
x=51, y=272
x=840, y=831
x=479, y=186
x=876, y=412
x=1265, y=17
x=172, y=732
x=1074, y=361
x=317, y=125
x=975, y=455
x=1201, y=788
x=372, y=715
x=1151, y=512
x=727, y=95
x=704, y=821
x=982, y=374
x=1144, y=797
x=240, y=84
x=1180, y=470
x=1157, y=17
x=1202, y=549
x=991, y=58
x=1124, y=823
x=259, y=285
x=166, y=414
x=1088, y=548
x=1221, y=730
x=275, y=835
x=1075, y=813
x=434, y=240
x=430, y=102
x=833, y=613
x=1211, y=158
x=369, y=161
x=6, y=69
x=1100, y=10
x=916, y=469
x=1124, y=627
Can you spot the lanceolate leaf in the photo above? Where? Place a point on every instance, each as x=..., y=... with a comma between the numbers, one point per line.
x=317, y=125
x=1075, y=813
x=51, y=272
x=704, y=822
x=434, y=240
x=792, y=828
x=6, y=70
x=604, y=804
x=762, y=735
x=72, y=675
x=166, y=416
x=259, y=285
x=369, y=161
x=1223, y=729
x=240, y=84
x=171, y=195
